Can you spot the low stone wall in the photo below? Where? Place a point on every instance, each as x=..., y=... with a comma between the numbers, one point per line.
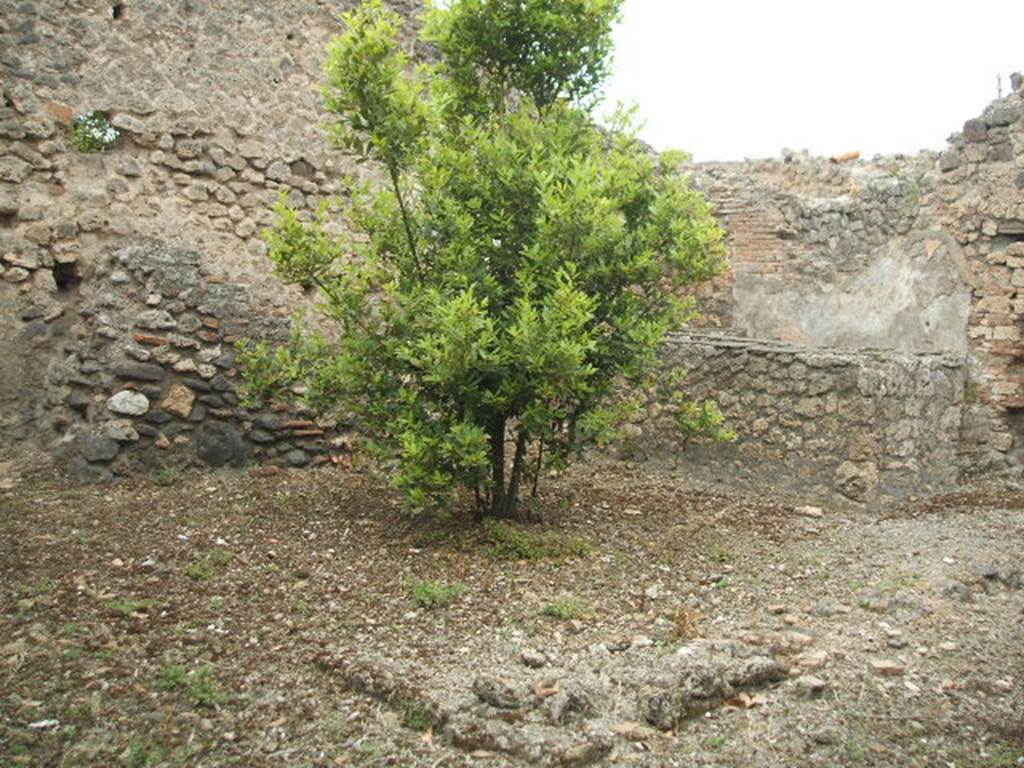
x=863, y=426
x=148, y=375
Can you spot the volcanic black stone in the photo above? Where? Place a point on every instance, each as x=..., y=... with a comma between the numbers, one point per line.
x=175, y=429
x=219, y=444
x=140, y=371
x=81, y=471
x=78, y=400
x=261, y=436
x=97, y=448
x=158, y=417
x=297, y=458
x=196, y=384
x=270, y=421
x=225, y=361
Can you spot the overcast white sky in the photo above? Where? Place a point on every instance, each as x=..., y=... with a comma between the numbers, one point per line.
x=728, y=79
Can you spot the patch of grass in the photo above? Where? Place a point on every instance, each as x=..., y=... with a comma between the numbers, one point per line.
x=619, y=561
x=720, y=554
x=335, y=725
x=142, y=754
x=369, y=598
x=198, y=685
x=370, y=752
x=434, y=594
x=165, y=477
x=1002, y=755
x=172, y=677
x=515, y=542
x=715, y=742
x=210, y=565
x=126, y=608
x=567, y=609
x=415, y=715
x=44, y=587
x=202, y=689
x=69, y=629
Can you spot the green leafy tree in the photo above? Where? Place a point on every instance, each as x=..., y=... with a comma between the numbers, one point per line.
x=695, y=420
x=516, y=268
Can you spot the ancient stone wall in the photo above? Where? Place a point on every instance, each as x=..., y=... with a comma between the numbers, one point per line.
x=126, y=276
x=860, y=426
x=916, y=254
x=135, y=269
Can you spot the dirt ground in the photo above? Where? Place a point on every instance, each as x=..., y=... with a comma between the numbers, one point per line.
x=299, y=619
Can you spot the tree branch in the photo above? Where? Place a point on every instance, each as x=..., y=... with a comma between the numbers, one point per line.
x=406, y=221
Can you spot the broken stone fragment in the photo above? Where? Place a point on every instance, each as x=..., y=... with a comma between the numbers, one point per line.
x=887, y=668
x=497, y=692
x=570, y=702
x=810, y=687
x=533, y=659
x=815, y=512
x=700, y=676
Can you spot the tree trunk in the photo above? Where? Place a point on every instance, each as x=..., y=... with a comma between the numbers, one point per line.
x=512, y=496
x=497, y=437
x=538, y=469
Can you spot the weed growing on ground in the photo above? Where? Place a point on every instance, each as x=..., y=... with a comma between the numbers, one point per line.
x=720, y=554
x=514, y=542
x=142, y=754
x=567, y=609
x=198, y=685
x=165, y=477
x=172, y=677
x=433, y=594
x=415, y=715
x=210, y=565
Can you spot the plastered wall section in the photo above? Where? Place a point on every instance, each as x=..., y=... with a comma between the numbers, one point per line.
x=919, y=254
